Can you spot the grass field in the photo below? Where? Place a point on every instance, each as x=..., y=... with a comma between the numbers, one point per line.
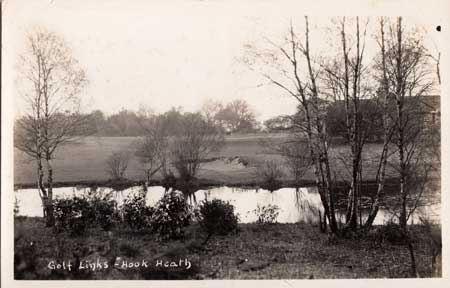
x=277, y=251
x=86, y=160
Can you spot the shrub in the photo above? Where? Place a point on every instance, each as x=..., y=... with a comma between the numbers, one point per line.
x=392, y=232
x=270, y=173
x=103, y=209
x=74, y=215
x=217, y=217
x=117, y=164
x=267, y=214
x=172, y=213
x=136, y=213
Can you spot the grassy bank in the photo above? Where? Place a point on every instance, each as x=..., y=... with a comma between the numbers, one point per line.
x=296, y=251
x=85, y=162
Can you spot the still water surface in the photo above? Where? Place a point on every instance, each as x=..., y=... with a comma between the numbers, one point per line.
x=296, y=204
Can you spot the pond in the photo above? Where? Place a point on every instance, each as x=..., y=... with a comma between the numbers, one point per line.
x=297, y=205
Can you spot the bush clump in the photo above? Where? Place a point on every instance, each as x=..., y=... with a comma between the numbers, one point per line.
x=136, y=213
x=267, y=214
x=270, y=173
x=218, y=217
x=172, y=213
x=73, y=215
x=392, y=233
x=77, y=214
x=103, y=209
x=117, y=164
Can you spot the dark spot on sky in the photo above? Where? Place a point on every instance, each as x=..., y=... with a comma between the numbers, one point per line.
x=438, y=28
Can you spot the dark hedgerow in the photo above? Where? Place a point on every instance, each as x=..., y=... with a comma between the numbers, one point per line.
x=136, y=213
x=218, y=217
x=172, y=213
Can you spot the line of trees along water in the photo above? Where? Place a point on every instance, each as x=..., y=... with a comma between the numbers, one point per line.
x=395, y=78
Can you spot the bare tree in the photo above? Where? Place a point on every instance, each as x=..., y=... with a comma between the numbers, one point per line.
x=406, y=82
x=52, y=81
x=210, y=109
x=147, y=151
x=409, y=80
x=152, y=150
x=190, y=147
x=297, y=157
x=295, y=72
x=387, y=130
x=345, y=83
x=117, y=164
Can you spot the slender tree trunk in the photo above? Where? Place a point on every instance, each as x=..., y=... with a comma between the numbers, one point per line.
x=322, y=145
x=383, y=157
x=50, y=219
x=351, y=101
x=319, y=185
x=403, y=192
x=356, y=143
x=376, y=203
x=400, y=123
x=329, y=187
x=412, y=256
x=438, y=71
x=41, y=189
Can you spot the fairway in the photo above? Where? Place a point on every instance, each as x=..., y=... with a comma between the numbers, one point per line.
x=86, y=160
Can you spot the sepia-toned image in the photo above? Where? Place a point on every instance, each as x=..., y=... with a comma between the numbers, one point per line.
x=216, y=140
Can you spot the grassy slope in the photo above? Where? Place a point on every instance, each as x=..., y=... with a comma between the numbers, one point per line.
x=86, y=161
x=279, y=251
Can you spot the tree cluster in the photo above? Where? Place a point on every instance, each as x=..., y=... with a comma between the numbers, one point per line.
x=358, y=97
x=235, y=116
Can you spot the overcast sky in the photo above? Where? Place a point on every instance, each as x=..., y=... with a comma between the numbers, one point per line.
x=158, y=54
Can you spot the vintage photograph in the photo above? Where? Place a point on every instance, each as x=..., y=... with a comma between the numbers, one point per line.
x=215, y=140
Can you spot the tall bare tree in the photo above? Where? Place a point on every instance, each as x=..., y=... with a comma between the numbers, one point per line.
x=52, y=81
x=409, y=80
x=295, y=72
x=345, y=82
x=387, y=130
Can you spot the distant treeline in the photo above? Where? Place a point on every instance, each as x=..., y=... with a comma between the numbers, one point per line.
x=130, y=123
x=228, y=119
x=235, y=117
